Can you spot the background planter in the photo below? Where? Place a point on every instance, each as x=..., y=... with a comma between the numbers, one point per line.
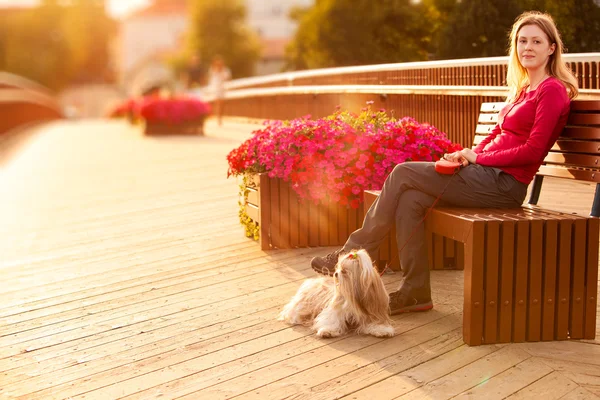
x=194, y=127
x=286, y=222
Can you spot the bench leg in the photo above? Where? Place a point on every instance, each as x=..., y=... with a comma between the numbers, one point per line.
x=473, y=309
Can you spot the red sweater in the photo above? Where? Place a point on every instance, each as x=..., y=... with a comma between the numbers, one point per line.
x=526, y=131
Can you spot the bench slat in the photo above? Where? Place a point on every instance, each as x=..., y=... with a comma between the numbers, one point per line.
x=536, y=248
x=488, y=118
x=478, y=139
x=506, y=282
x=576, y=146
x=581, y=132
x=459, y=214
x=492, y=107
x=484, y=129
x=564, y=280
x=473, y=309
x=521, y=276
x=549, y=291
x=570, y=159
x=491, y=282
x=577, y=298
x=583, y=119
x=585, y=105
x=570, y=173
x=591, y=282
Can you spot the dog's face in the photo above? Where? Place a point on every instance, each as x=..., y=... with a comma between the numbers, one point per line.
x=348, y=275
x=359, y=283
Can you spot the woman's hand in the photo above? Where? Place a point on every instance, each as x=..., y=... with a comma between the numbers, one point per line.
x=469, y=155
x=457, y=156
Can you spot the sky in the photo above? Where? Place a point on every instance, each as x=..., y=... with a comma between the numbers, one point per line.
x=116, y=8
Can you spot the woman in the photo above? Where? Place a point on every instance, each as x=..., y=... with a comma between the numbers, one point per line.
x=218, y=74
x=495, y=174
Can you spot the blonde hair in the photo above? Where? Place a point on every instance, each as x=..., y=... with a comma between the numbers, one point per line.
x=516, y=75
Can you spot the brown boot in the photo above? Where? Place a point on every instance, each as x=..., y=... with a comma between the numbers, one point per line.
x=402, y=303
x=326, y=265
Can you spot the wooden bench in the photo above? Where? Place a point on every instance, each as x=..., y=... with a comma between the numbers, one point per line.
x=530, y=274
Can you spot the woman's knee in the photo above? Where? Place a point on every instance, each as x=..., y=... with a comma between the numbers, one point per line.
x=411, y=171
x=401, y=168
x=414, y=202
x=399, y=172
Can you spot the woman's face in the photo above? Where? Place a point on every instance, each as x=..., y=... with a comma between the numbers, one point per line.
x=533, y=47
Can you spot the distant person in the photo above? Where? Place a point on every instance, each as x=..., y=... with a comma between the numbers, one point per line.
x=218, y=74
x=195, y=73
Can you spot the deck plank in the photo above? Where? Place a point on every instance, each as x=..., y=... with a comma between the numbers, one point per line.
x=552, y=386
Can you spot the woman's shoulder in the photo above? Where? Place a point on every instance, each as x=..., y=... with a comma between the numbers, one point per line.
x=553, y=84
x=555, y=87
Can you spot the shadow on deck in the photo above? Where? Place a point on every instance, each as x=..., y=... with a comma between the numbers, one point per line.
x=126, y=275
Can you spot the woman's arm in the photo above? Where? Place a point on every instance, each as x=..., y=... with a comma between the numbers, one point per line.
x=549, y=107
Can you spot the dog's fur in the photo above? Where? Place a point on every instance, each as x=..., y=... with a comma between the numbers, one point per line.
x=354, y=297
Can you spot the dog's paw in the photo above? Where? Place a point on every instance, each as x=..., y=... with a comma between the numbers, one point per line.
x=325, y=333
x=381, y=330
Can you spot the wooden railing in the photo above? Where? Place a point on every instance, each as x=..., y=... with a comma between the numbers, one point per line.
x=24, y=102
x=490, y=71
x=446, y=94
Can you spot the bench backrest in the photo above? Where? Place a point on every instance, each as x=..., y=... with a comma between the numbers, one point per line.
x=576, y=153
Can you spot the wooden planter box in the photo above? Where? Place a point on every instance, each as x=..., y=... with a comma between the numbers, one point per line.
x=286, y=222
x=195, y=127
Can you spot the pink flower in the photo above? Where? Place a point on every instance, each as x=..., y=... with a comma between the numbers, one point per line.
x=339, y=156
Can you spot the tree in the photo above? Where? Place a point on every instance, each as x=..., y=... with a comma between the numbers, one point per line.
x=343, y=32
x=36, y=46
x=577, y=20
x=55, y=44
x=218, y=28
x=88, y=30
x=477, y=28
x=480, y=28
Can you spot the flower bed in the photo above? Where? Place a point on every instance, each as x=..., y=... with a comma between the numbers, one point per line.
x=331, y=161
x=166, y=115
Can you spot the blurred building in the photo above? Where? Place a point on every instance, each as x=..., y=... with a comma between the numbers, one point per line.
x=159, y=29
x=146, y=35
x=270, y=19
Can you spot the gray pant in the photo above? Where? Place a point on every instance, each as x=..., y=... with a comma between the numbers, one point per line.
x=409, y=191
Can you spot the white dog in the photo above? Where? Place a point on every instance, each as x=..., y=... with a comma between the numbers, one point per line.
x=354, y=297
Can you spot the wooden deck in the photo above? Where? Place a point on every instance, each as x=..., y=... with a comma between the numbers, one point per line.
x=125, y=274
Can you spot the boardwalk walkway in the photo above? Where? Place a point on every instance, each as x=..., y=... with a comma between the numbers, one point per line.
x=125, y=274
